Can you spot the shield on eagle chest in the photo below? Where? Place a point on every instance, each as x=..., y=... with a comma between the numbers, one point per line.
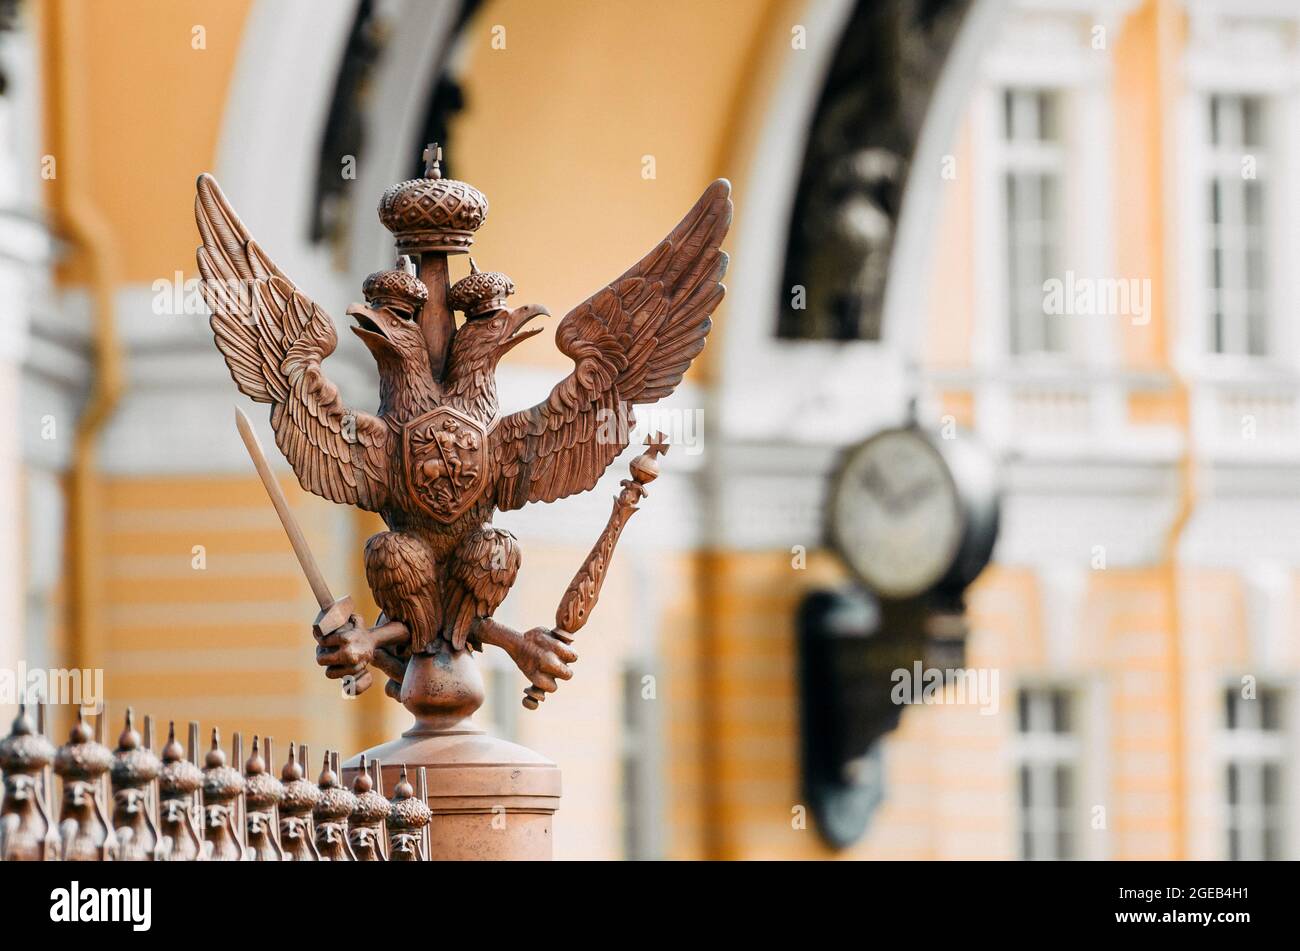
x=446, y=462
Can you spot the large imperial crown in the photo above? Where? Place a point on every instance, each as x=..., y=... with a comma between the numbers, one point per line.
x=433, y=213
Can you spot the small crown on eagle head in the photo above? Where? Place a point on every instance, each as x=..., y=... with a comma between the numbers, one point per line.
x=481, y=292
x=397, y=283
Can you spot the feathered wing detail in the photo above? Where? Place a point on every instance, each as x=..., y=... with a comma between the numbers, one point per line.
x=274, y=339
x=630, y=343
x=402, y=575
x=482, y=571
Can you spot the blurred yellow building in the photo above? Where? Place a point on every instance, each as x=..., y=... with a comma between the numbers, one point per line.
x=1142, y=607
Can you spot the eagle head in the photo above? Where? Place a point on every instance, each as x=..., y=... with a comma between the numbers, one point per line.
x=388, y=330
x=480, y=343
x=386, y=323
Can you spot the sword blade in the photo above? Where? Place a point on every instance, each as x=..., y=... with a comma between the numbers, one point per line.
x=296, y=538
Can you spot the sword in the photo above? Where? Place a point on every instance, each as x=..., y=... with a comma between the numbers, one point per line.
x=334, y=613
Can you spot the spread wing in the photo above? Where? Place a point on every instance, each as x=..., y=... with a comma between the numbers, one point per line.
x=630, y=343
x=274, y=339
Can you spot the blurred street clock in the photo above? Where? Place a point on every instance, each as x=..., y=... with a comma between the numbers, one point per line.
x=914, y=516
x=912, y=512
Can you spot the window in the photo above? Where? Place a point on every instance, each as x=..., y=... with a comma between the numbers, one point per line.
x=1047, y=757
x=504, y=688
x=1237, y=268
x=1253, y=774
x=1032, y=192
x=638, y=768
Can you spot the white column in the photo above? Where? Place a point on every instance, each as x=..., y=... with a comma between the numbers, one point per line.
x=24, y=250
x=13, y=335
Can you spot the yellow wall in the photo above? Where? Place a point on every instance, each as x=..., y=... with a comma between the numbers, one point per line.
x=556, y=140
x=148, y=109
x=220, y=635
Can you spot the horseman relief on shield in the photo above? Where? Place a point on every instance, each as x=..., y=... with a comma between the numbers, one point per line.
x=446, y=460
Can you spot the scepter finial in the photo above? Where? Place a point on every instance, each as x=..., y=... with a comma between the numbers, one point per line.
x=645, y=467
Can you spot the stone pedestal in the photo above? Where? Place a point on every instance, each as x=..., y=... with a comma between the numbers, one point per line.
x=491, y=799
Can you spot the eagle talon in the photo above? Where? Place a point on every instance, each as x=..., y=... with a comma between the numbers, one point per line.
x=539, y=654
x=353, y=649
x=543, y=658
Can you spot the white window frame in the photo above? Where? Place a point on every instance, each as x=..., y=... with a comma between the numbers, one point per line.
x=1081, y=78
x=1224, y=168
x=1034, y=157
x=503, y=686
x=1042, y=751
x=640, y=736
x=1251, y=745
x=1047, y=44
x=1229, y=53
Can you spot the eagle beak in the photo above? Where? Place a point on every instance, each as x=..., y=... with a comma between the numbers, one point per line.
x=369, y=330
x=515, y=320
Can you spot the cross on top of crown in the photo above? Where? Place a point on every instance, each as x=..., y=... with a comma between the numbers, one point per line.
x=432, y=160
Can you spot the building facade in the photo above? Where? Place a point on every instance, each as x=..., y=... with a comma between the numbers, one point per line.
x=1089, y=270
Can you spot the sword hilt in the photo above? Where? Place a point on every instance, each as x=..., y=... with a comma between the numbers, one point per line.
x=333, y=617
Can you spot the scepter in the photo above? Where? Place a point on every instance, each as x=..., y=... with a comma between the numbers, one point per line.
x=584, y=590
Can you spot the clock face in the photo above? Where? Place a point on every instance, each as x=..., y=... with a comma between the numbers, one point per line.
x=895, y=515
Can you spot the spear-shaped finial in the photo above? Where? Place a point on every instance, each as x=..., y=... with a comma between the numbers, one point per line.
x=255, y=763
x=215, y=758
x=129, y=738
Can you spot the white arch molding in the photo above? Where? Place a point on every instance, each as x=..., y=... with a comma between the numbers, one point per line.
x=786, y=406
x=275, y=117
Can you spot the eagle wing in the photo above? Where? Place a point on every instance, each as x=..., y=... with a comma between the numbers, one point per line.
x=630, y=343
x=274, y=339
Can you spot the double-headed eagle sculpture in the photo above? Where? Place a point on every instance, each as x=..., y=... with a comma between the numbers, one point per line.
x=439, y=458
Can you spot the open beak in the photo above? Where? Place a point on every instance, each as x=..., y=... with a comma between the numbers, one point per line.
x=368, y=329
x=515, y=321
